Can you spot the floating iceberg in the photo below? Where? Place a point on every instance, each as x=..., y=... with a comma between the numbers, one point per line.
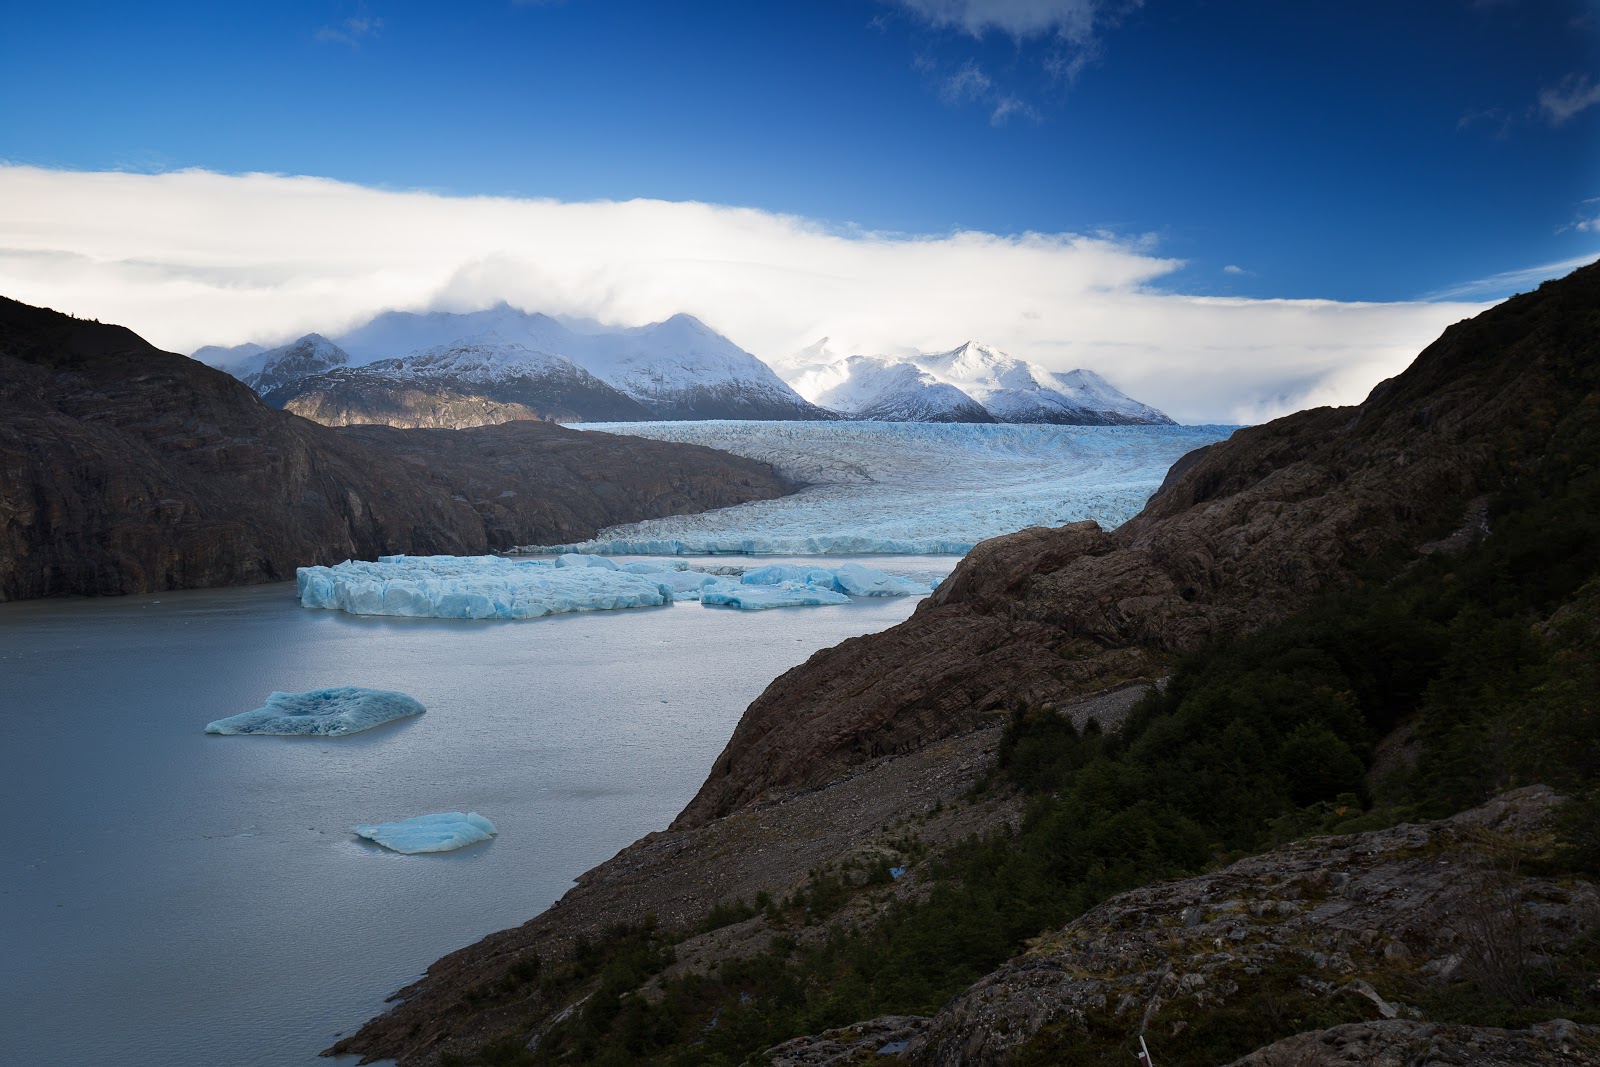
x=492, y=587
x=907, y=488
x=344, y=709
x=851, y=578
x=478, y=587
x=760, y=597
x=430, y=833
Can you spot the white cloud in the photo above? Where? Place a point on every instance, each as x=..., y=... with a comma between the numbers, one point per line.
x=1575, y=94
x=1234, y=268
x=192, y=257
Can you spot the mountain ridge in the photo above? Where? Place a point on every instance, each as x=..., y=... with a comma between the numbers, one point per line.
x=675, y=369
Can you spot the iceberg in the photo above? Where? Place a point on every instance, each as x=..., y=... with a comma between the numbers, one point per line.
x=850, y=578
x=493, y=587
x=345, y=709
x=430, y=833
x=888, y=488
x=760, y=597
x=478, y=587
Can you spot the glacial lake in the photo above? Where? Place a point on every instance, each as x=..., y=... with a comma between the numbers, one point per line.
x=174, y=899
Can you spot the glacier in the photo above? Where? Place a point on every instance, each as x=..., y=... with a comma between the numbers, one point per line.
x=334, y=712
x=906, y=488
x=430, y=833
x=494, y=587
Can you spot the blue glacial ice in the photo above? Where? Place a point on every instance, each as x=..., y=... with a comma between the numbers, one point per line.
x=492, y=587
x=477, y=587
x=908, y=488
x=430, y=833
x=344, y=709
x=853, y=579
x=776, y=595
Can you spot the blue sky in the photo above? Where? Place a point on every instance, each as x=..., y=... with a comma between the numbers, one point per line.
x=1318, y=151
x=1350, y=151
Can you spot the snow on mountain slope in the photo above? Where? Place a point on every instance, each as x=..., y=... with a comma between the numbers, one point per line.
x=680, y=368
x=684, y=369
x=311, y=354
x=473, y=382
x=883, y=391
x=995, y=386
x=1014, y=390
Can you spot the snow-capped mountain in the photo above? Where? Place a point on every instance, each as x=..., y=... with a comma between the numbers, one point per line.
x=677, y=369
x=473, y=382
x=876, y=389
x=930, y=387
x=311, y=354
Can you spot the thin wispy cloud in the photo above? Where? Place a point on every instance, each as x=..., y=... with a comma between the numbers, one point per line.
x=351, y=32
x=1007, y=106
x=1072, y=20
x=1234, y=268
x=1499, y=286
x=1496, y=122
x=301, y=254
x=967, y=83
x=1574, y=95
x=1055, y=38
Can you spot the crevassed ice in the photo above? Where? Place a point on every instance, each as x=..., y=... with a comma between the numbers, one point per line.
x=334, y=712
x=908, y=488
x=492, y=587
x=430, y=833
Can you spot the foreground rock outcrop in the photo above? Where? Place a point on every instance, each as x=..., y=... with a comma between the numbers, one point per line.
x=1354, y=924
x=124, y=469
x=1244, y=532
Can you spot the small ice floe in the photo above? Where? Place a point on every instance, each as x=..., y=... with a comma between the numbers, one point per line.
x=430, y=833
x=344, y=709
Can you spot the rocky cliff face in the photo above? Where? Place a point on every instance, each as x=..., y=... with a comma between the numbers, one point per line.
x=1241, y=534
x=125, y=469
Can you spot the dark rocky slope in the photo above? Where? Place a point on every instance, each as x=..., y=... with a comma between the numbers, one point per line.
x=1242, y=534
x=125, y=469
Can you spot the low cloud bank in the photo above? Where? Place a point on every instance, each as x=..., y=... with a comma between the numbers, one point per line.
x=193, y=257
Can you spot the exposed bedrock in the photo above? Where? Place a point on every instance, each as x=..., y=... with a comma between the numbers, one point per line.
x=1244, y=532
x=125, y=469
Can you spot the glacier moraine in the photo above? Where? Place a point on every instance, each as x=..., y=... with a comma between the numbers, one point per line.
x=908, y=488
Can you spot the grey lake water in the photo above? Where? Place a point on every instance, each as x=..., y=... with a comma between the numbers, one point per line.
x=183, y=900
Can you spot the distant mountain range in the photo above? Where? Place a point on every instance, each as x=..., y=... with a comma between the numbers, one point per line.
x=972, y=383
x=443, y=369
